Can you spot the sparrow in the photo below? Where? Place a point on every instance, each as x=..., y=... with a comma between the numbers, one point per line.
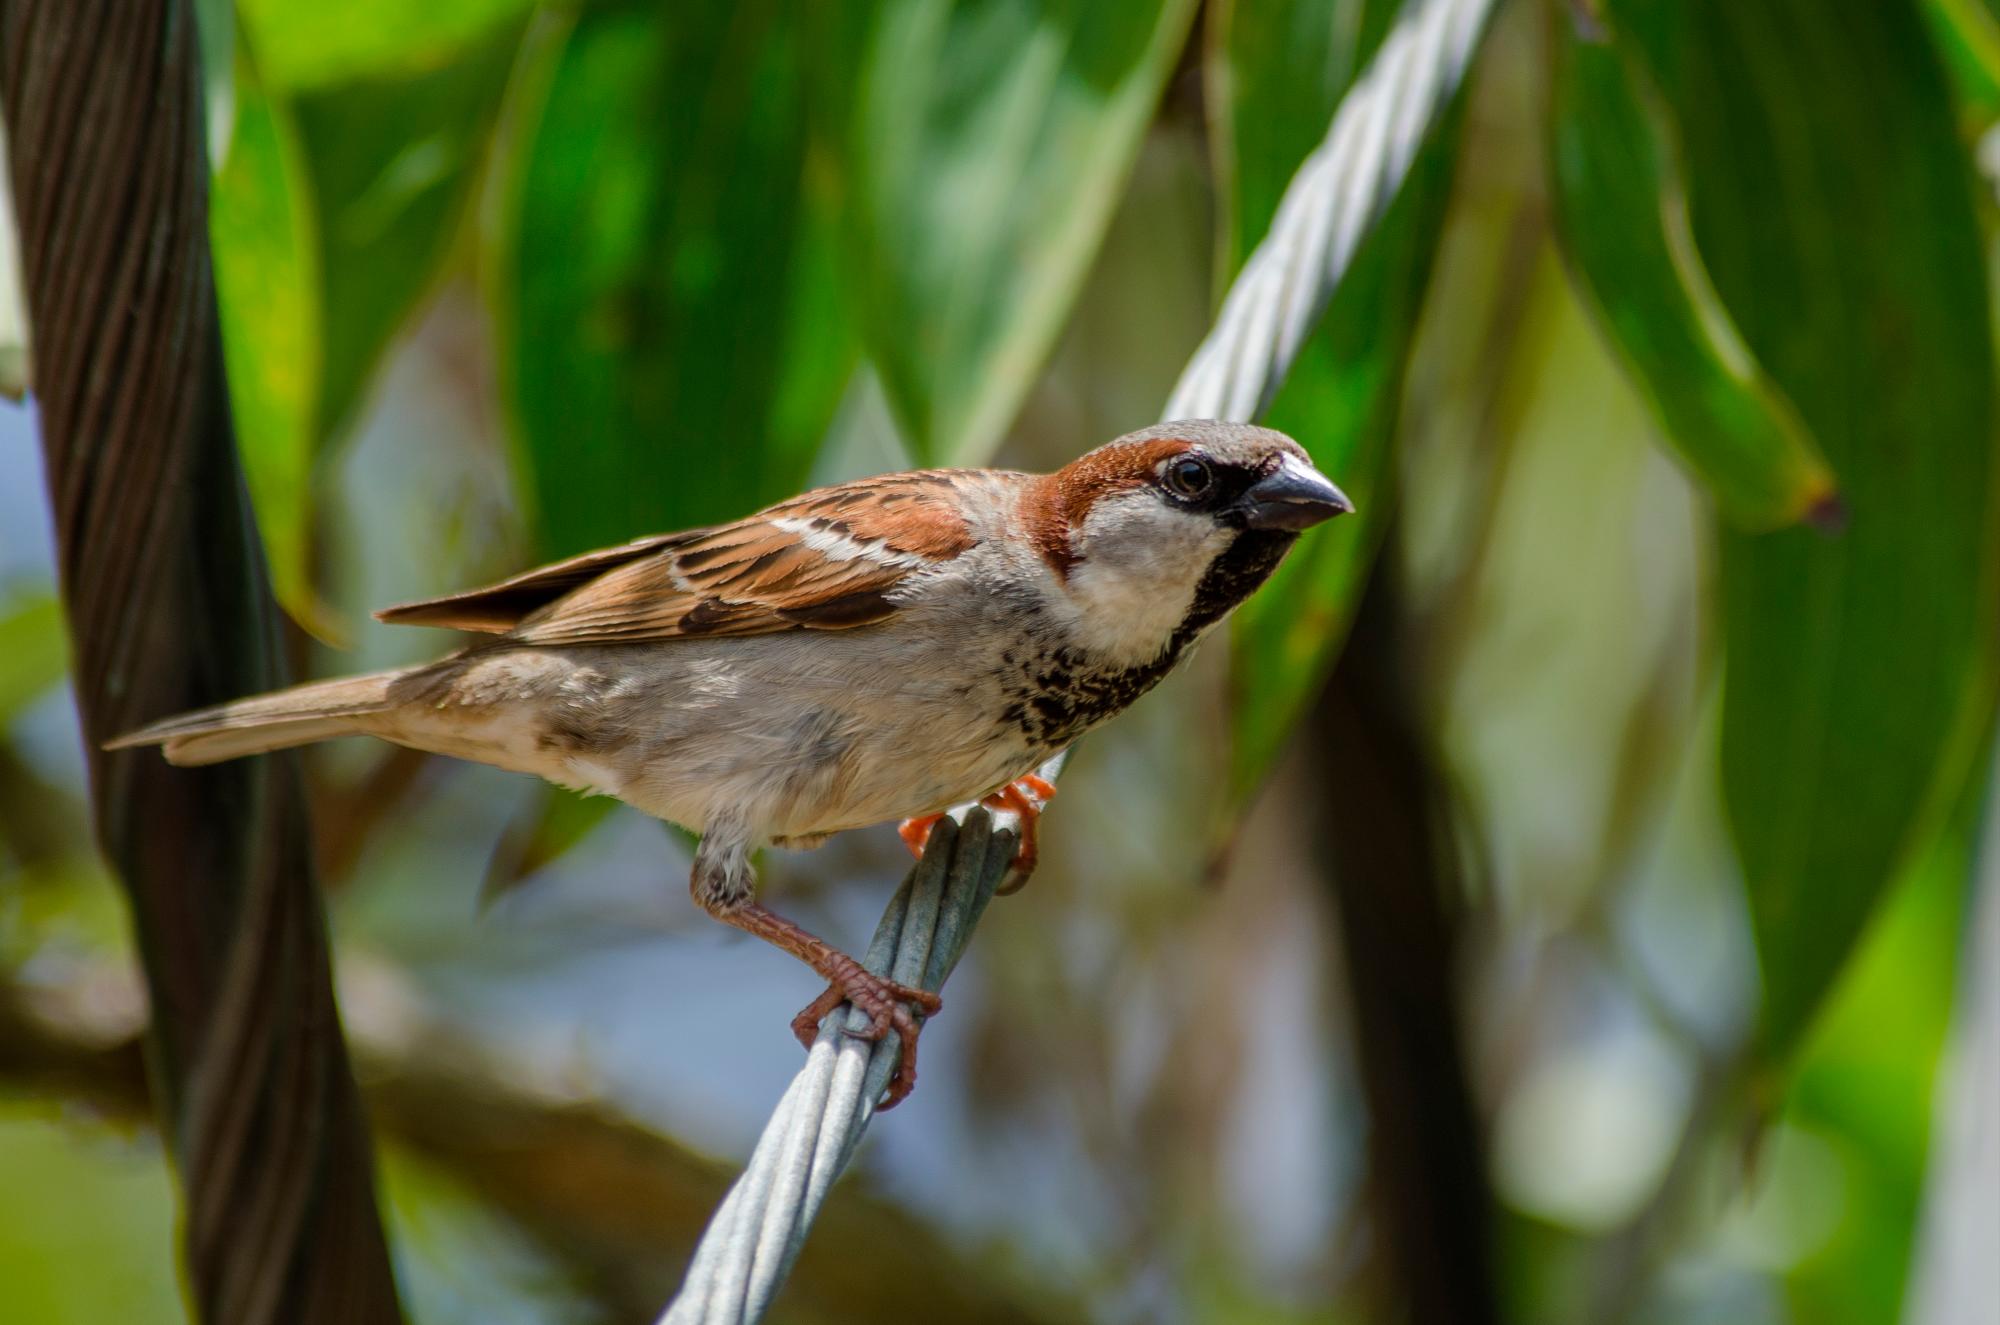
x=879, y=650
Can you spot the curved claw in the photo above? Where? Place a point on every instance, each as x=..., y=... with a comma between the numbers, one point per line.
x=1025, y=797
x=886, y=1004
x=806, y=1025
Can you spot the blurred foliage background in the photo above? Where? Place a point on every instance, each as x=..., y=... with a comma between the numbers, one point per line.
x=1666, y=390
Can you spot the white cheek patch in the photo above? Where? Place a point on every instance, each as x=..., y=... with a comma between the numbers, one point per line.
x=1140, y=560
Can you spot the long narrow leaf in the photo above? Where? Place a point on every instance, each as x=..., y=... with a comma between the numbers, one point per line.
x=1621, y=209
x=1834, y=206
x=393, y=163
x=264, y=233
x=988, y=143
x=333, y=212
x=673, y=331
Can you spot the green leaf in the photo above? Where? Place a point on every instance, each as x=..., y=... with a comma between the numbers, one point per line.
x=1840, y=232
x=1621, y=210
x=1285, y=65
x=318, y=45
x=330, y=216
x=988, y=143
x=262, y=231
x=393, y=163
x=673, y=331
x=1866, y=1074
x=34, y=650
x=1967, y=33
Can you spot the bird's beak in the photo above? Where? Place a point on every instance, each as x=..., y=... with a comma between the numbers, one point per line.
x=1294, y=496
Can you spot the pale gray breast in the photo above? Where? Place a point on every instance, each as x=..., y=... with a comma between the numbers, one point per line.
x=808, y=733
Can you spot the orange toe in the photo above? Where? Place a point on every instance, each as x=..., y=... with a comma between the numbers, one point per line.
x=916, y=833
x=1025, y=797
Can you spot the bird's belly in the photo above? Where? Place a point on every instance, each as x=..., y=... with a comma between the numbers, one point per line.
x=835, y=768
x=839, y=739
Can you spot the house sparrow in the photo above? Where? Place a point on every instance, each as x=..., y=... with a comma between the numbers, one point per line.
x=884, y=649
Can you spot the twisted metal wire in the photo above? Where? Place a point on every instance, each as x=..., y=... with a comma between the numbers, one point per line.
x=169, y=608
x=1334, y=199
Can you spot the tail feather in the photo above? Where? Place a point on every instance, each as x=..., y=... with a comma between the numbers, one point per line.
x=283, y=718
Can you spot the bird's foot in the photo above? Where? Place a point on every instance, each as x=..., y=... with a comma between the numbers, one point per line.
x=886, y=1004
x=1024, y=796
x=916, y=833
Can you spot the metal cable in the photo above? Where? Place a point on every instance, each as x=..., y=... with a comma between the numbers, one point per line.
x=169, y=608
x=1333, y=201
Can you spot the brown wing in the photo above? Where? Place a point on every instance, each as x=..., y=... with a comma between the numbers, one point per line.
x=824, y=561
x=498, y=608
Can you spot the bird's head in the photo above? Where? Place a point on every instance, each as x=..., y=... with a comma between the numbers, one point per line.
x=1157, y=535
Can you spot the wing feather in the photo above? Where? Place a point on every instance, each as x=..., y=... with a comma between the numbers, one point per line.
x=498, y=608
x=828, y=560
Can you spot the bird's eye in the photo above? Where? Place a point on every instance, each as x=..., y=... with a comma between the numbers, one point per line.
x=1189, y=477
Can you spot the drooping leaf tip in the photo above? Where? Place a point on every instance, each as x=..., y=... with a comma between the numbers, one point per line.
x=1827, y=513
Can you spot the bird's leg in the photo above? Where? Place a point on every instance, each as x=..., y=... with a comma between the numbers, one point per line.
x=1025, y=796
x=724, y=886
